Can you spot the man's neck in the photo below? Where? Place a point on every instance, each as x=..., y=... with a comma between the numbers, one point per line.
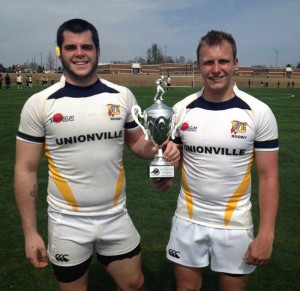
x=218, y=95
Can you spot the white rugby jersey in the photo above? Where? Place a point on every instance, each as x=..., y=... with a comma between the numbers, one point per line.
x=82, y=130
x=219, y=141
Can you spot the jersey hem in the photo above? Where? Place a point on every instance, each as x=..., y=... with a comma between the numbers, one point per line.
x=213, y=226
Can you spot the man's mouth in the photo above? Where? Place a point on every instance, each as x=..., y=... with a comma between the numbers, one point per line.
x=81, y=63
x=216, y=78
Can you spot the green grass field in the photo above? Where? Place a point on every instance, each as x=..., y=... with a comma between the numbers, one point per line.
x=150, y=210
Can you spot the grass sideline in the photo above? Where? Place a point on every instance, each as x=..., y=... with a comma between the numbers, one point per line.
x=150, y=210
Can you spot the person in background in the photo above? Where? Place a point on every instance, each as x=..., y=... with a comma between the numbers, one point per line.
x=27, y=81
x=19, y=81
x=30, y=81
x=7, y=81
x=224, y=131
x=43, y=81
x=169, y=82
x=82, y=123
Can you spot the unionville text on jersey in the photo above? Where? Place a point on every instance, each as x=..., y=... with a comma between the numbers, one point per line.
x=214, y=150
x=89, y=137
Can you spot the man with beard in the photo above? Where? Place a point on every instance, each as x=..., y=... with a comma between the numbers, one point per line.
x=82, y=123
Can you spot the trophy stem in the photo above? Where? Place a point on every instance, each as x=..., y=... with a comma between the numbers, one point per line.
x=159, y=158
x=159, y=152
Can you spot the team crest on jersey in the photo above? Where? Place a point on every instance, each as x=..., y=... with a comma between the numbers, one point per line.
x=238, y=127
x=113, y=109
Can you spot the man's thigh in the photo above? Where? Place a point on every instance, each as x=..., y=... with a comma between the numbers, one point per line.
x=196, y=246
x=127, y=272
x=228, y=247
x=188, y=244
x=72, y=239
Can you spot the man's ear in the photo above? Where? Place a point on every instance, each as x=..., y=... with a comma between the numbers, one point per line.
x=57, y=51
x=236, y=62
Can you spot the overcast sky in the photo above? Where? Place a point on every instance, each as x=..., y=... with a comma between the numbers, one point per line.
x=266, y=31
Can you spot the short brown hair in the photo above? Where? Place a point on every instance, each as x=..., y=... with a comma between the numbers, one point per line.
x=77, y=26
x=215, y=37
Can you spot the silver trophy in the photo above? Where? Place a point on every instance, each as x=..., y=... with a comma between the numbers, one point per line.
x=159, y=124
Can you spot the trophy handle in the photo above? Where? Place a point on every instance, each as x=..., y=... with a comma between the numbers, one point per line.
x=136, y=112
x=177, y=122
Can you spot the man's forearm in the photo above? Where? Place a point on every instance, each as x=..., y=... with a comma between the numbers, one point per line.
x=268, y=204
x=26, y=195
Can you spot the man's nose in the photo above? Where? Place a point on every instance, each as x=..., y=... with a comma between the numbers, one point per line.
x=216, y=67
x=79, y=51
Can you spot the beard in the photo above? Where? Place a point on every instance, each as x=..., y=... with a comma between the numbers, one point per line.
x=73, y=75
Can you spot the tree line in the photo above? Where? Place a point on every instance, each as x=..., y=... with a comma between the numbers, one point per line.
x=154, y=55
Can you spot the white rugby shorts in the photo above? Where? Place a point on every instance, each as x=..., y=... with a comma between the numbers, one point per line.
x=196, y=246
x=72, y=239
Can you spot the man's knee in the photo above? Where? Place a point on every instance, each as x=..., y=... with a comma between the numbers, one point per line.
x=233, y=281
x=125, y=269
x=136, y=283
x=188, y=278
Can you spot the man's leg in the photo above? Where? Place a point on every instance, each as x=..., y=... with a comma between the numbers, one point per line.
x=127, y=273
x=72, y=278
x=80, y=284
x=228, y=282
x=188, y=278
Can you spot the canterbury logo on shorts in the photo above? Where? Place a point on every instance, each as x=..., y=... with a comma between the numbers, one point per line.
x=174, y=254
x=61, y=258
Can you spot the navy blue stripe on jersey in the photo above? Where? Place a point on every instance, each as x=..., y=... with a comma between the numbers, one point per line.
x=31, y=138
x=73, y=91
x=130, y=125
x=234, y=102
x=268, y=144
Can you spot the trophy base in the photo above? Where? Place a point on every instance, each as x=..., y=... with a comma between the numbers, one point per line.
x=160, y=168
x=167, y=171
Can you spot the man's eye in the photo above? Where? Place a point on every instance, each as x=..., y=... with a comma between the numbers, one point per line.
x=87, y=47
x=224, y=61
x=70, y=48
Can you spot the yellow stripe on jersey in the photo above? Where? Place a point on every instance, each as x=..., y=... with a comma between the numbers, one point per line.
x=187, y=193
x=61, y=183
x=120, y=185
x=239, y=192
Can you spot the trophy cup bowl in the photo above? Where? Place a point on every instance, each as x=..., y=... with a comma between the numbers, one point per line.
x=158, y=125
